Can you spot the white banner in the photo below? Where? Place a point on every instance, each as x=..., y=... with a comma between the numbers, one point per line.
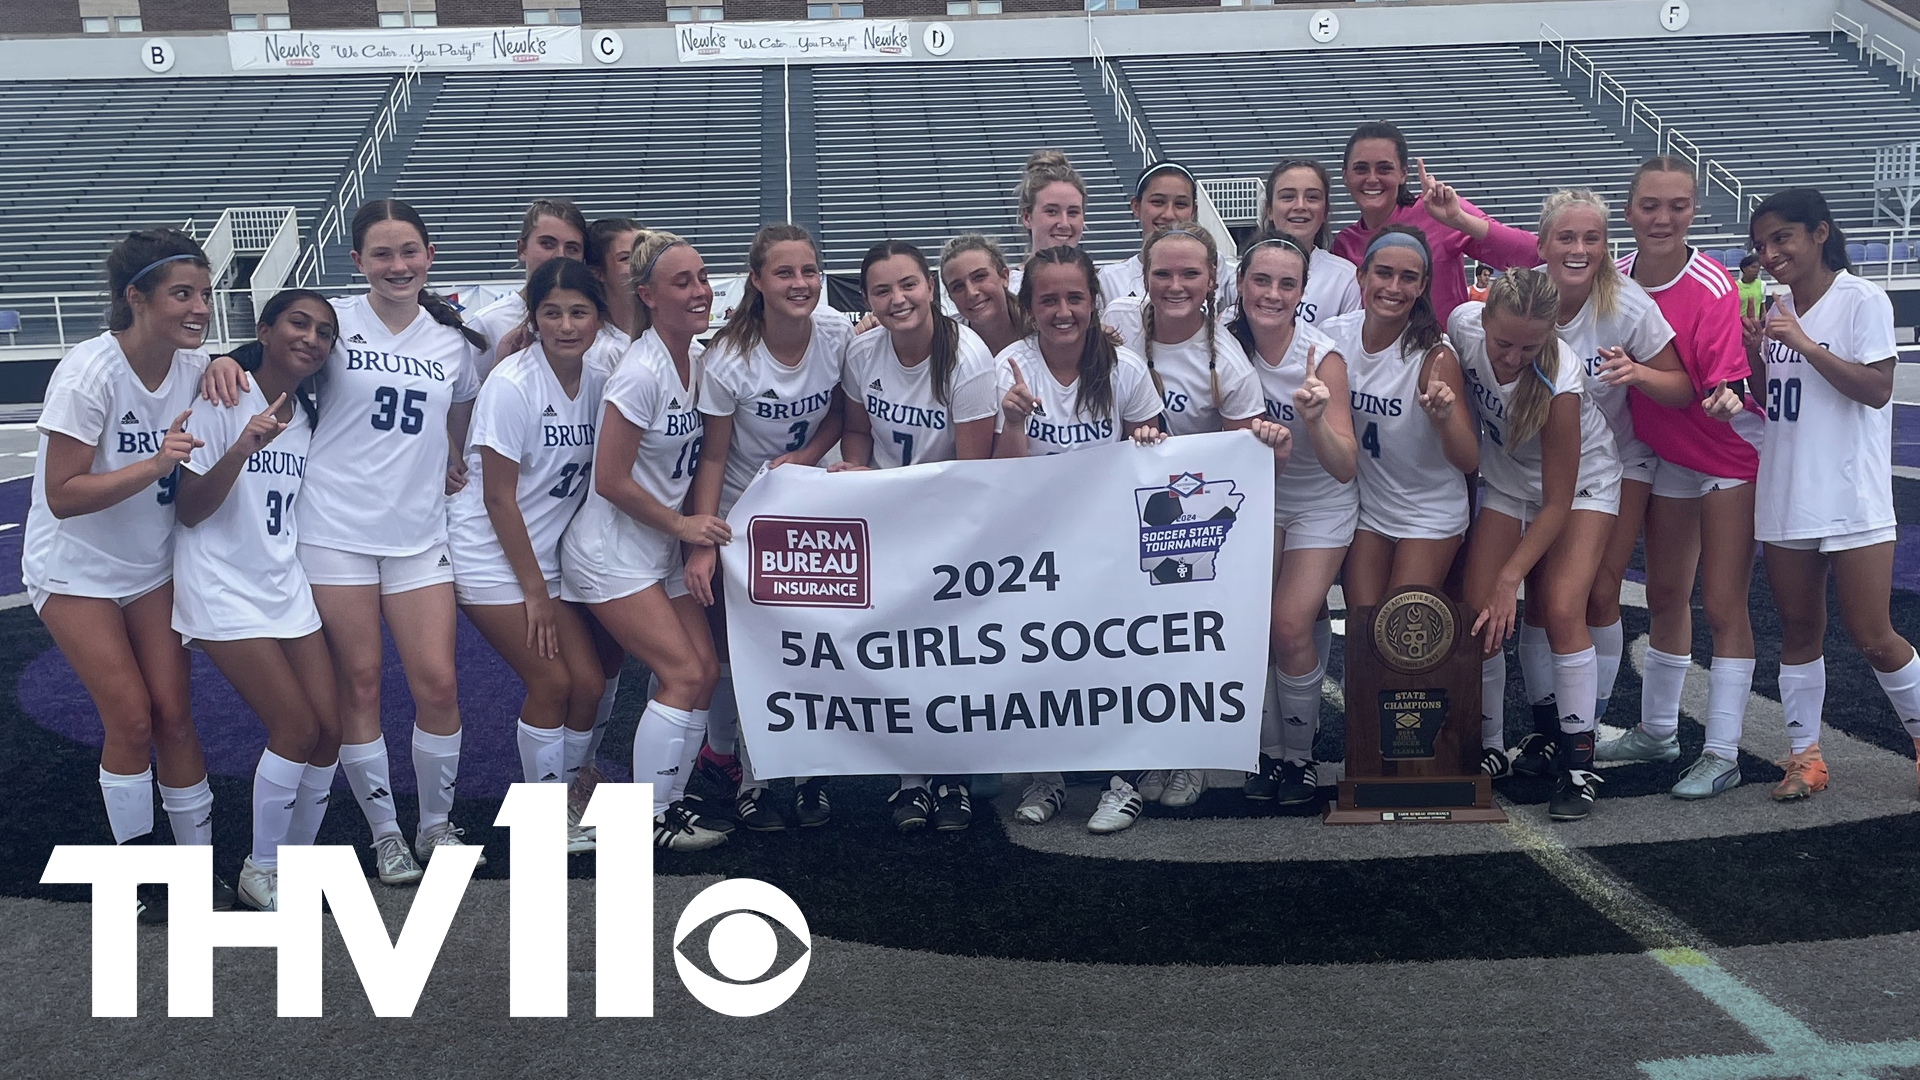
x=793, y=40
x=1106, y=609
x=454, y=47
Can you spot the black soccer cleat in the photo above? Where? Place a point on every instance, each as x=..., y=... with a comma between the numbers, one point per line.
x=953, y=809
x=1573, y=795
x=755, y=811
x=1260, y=786
x=1297, y=784
x=911, y=808
x=810, y=805
x=1537, y=755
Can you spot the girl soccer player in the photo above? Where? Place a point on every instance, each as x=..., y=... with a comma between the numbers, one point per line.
x=1825, y=490
x=552, y=228
x=529, y=466
x=1165, y=195
x=1624, y=343
x=922, y=388
x=1297, y=192
x=1375, y=172
x=1552, y=488
x=768, y=396
x=621, y=555
x=248, y=604
x=980, y=286
x=1702, y=493
x=1417, y=438
x=98, y=554
x=394, y=405
x=1303, y=380
x=1053, y=204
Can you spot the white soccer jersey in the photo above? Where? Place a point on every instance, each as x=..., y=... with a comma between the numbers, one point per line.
x=125, y=549
x=499, y=318
x=1333, y=288
x=603, y=542
x=1119, y=280
x=1408, y=489
x=1304, y=482
x=376, y=476
x=524, y=415
x=237, y=575
x=1058, y=424
x=909, y=424
x=1184, y=372
x=1515, y=471
x=1826, y=460
x=1635, y=325
x=775, y=408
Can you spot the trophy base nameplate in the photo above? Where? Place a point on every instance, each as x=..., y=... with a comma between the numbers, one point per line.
x=1424, y=799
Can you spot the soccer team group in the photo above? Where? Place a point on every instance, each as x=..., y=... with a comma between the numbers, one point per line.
x=558, y=466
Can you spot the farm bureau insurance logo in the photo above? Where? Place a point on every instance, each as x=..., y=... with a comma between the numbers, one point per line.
x=809, y=562
x=1184, y=525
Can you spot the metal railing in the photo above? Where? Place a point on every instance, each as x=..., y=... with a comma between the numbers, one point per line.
x=1110, y=82
x=338, y=216
x=276, y=262
x=1236, y=199
x=1636, y=113
x=1891, y=53
x=1854, y=31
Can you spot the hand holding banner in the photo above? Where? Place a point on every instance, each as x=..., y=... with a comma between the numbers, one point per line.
x=1099, y=610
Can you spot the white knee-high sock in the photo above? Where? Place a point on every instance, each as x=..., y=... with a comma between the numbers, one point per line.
x=1903, y=692
x=543, y=753
x=276, y=791
x=689, y=750
x=1803, y=696
x=1573, y=679
x=1729, y=682
x=316, y=790
x=190, y=812
x=1272, y=739
x=600, y=717
x=129, y=799
x=367, y=774
x=1299, y=713
x=1536, y=672
x=576, y=750
x=436, y=769
x=1609, y=642
x=1323, y=640
x=1493, y=701
x=1660, y=686
x=723, y=724
x=656, y=750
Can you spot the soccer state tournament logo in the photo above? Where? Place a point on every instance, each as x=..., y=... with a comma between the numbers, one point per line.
x=1183, y=526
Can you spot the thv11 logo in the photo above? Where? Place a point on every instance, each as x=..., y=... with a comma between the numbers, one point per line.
x=740, y=917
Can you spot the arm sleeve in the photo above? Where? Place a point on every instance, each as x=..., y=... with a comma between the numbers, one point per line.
x=1504, y=246
x=975, y=393
x=1717, y=349
x=1134, y=396
x=500, y=420
x=1240, y=397
x=636, y=393
x=466, y=382
x=214, y=425
x=76, y=410
x=1873, y=339
x=718, y=395
x=1650, y=334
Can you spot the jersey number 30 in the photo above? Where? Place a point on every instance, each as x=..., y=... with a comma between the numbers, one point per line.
x=1783, y=399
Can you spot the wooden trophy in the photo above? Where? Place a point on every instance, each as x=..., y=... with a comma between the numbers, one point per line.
x=1413, y=715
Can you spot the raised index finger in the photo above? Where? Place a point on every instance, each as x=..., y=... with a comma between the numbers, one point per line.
x=180, y=422
x=277, y=403
x=1313, y=362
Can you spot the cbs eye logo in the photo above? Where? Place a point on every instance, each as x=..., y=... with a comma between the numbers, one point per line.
x=730, y=950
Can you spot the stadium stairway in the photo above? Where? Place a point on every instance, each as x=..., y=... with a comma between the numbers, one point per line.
x=380, y=181
x=786, y=93
x=1128, y=161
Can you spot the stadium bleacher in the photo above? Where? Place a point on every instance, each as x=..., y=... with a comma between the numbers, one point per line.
x=675, y=149
x=88, y=160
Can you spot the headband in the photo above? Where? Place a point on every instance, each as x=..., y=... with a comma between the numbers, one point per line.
x=1140, y=186
x=1287, y=242
x=162, y=262
x=1399, y=240
x=646, y=272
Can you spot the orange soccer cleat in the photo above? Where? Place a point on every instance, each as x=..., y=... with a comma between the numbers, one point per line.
x=1806, y=774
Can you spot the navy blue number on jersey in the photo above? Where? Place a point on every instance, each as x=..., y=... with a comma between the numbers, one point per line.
x=799, y=433
x=1783, y=399
x=573, y=480
x=1370, y=439
x=167, y=485
x=689, y=457
x=388, y=406
x=278, y=507
x=905, y=439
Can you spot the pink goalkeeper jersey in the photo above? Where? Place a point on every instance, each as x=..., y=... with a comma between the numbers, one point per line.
x=1504, y=246
x=1703, y=308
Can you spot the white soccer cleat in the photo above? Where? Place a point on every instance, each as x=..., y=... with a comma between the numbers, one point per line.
x=1120, y=806
x=1183, y=787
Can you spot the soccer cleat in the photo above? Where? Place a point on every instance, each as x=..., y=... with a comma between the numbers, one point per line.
x=150, y=898
x=1120, y=806
x=1153, y=784
x=1260, y=785
x=953, y=809
x=1040, y=802
x=224, y=896
x=1537, y=755
x=1495, y=763
x=259, y=887
x=911, y=808
x=580, y=838
x=1806, y=774
x=755, y=811
x=1573, y=795
x=445, y=834
x=1299, y=784
x=675, y=831
x=1637, y=745
x=722, y=771
x=394, y=862
x=1183, y=787
x=810, y=805
x=1708, y=776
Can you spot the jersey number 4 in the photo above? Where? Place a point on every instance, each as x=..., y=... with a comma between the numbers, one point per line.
x=1783, y=399
x=388, y=406
x=1370, y=439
